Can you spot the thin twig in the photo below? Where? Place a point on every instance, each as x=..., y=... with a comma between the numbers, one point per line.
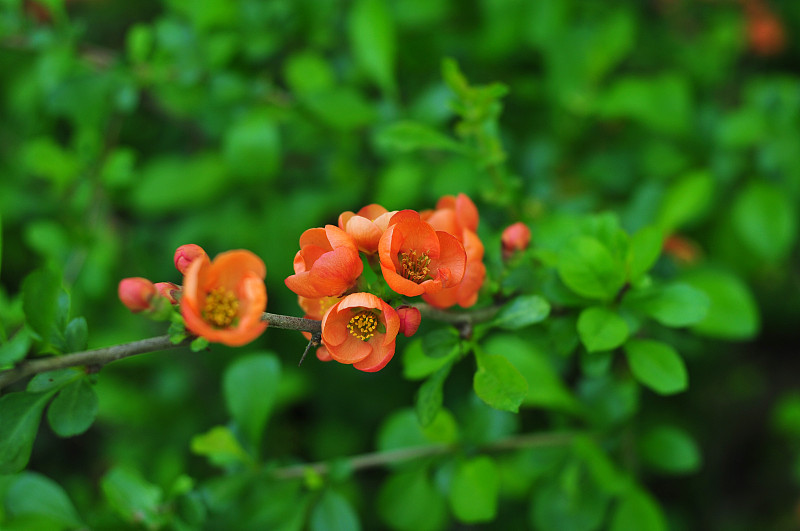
x=377, y=459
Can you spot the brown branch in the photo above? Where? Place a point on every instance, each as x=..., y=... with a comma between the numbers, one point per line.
x=377, y=459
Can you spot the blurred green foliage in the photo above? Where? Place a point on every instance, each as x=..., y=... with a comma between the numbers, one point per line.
x=131, y=128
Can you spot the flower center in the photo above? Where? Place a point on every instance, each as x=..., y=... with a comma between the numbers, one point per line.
x=415, y=267
x=363, y=324
x=221, y=307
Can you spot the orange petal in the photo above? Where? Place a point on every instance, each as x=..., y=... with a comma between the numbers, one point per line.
x=228, y=268
x=377, y=359
x=404, y=215
x=452, y=257
x=467, y=212
x=351, y=351
x=365, y=232
x=339, y=238
x=316, y=236
x=361, y=300
x=335, y=272
x=372, y=211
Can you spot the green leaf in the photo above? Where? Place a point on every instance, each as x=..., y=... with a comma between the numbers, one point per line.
x=220, y=446
x=662, y=103
x=430, y=396
x=250, y=385
x=644, y=250
x=441, y=343
x=587, y=267
x=76, y=334
x=657, y=365
x=32, y=494
x=545, y=386
x=308, y=73
x=53, y=380
x=132, y=497
x=408, y=502
x=416, y=365
x=523, y=311
x=15, y=348
x=74, y=408
x=675, y=305
x=402, y=430
x=40, y=293
x=576, y=504
x=602, y=469
x=732, y=312
x=638, y=511
x=670, y=449
x=21, y=414
x=252, y=147
x=601, y=329
x=765, y=218
x=498, y=383
x=685, y=201
x=408, y=136
x=333, y=513
x=474, y=490
x=139, y=42
x=372, y=40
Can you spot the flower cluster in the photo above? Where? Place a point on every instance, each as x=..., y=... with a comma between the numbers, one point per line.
x=221, y=300
x=435, y=254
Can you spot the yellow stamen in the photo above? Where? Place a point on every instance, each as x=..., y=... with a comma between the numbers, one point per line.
x=363, y=324
x=221, y=307
x=415, y=268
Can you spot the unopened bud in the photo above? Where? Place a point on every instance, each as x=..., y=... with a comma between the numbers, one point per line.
x=136, y=293
x=186, y=254
x=515, y=238
x=168, y=290
x=409, y=320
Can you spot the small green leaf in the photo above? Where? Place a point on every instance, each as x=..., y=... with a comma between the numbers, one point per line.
x=574, y=502
x=429, y=396
x=474, y=490
x=685, y=201
x=440, y=343
x=671, y=450
x=587, y=267
x=644, y=250
x=40, y=294
x=402, y=429
x=732, y=312
x=408, y=502
x=765, y=218
x=416, y=365
x=32, y=494
x=675, y=305
x=250, y=385
x=498, y=383
x=15, y=348
x=408, y=136
x=132, y=497
x=198, y=344
x=657, y=365
x=74, y=408
x=76, y=334
x=372, y=38
x=220, y=446
x=638, y=511
x=601, y=329
x=21, y=414
x=139, y=42
x=523, y=311
x=333, y=513
x=53, y=380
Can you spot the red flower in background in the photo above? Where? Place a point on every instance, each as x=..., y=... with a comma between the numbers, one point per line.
x=223, y=299
x=765, y=31
x=366, y=226
x=361, y=330
x=326, y=265
x=516, y=237
x=417, y=259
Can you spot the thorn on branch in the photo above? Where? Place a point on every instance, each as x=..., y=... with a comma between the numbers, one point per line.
x=314, y=342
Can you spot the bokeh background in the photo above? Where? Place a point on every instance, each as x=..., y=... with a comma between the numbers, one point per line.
x=129, y=128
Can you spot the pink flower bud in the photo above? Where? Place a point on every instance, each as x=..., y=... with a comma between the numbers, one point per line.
x=136, y=293
x=515, y=237
x=186, y=254
x=409, y=320
x=168, y=290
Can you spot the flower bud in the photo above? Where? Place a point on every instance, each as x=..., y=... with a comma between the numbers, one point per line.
x=168, y=290
x=136, y=293
x=186, y=254
x=515, y=238
x=409, y=320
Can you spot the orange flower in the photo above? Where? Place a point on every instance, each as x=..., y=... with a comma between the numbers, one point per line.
x=366, y=226
x=465, y=294
x=223, y=299
x=459, y=216
x=417, y=259
x=186, y=254
x=360, y=330
x=765, y=30
x=326, y=265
